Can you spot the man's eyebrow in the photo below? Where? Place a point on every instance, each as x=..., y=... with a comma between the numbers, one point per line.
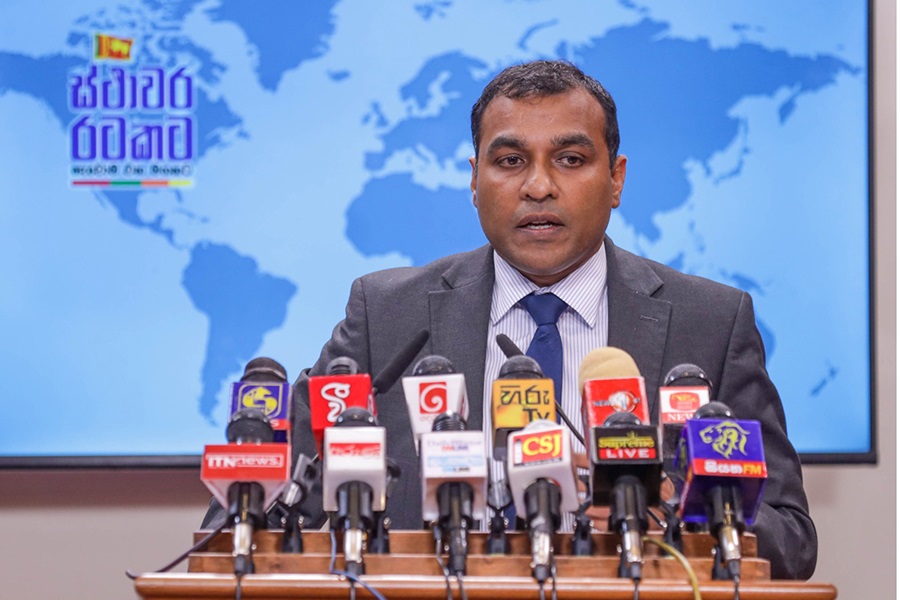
x=506, y=141
x=573, y=139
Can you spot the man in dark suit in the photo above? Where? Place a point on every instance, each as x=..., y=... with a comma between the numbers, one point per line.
x=545, y=176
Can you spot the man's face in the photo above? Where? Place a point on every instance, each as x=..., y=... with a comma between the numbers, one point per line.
x=542, y=182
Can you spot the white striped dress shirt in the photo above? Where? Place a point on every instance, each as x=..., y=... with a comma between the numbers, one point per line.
x=582, y=327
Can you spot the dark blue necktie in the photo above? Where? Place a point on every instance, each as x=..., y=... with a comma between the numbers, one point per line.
x=546, y=346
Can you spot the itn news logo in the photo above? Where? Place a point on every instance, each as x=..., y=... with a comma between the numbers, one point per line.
x=134, y=123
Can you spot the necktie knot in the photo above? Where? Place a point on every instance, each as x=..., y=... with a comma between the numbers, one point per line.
x=544, y=308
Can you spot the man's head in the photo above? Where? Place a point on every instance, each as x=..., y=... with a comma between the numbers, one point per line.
x=546, y=78
x=546, y=173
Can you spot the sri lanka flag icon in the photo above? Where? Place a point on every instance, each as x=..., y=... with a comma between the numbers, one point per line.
x=110, y=47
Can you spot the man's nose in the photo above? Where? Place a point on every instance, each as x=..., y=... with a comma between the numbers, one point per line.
x=539, y=184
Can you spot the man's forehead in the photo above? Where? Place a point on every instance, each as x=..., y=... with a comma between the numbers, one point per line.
x=573, y=117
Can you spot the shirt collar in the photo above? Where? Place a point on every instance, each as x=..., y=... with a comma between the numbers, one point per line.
x=582, y=289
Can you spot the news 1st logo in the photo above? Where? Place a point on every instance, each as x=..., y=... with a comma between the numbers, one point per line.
x=432, y=397
x=537, y=447
x=678, y=404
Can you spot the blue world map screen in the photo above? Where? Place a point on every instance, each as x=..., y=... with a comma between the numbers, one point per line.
x=185, y=185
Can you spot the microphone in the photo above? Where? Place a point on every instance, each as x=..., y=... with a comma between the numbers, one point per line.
x=521, y=394
x=341, y=387
x=354, y=480
x=264, y=386
x=542, y=480
x=627, y=468
x=386, y=379
x=610, y=382
x=246, y=476
x=724, y=469
x=510, y=350
x=433, y=389
x=686, y=387
x=454, y=481
x=624, y=449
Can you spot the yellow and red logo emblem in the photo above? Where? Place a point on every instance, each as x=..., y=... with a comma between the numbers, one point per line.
x=110, y=47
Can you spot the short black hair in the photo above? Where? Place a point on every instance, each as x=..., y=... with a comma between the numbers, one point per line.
x=546, y=78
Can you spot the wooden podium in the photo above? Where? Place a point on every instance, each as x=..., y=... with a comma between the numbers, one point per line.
x=411, y=571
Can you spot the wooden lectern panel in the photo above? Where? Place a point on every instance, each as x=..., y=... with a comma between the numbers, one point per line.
x=411, y=570
x=328, y=587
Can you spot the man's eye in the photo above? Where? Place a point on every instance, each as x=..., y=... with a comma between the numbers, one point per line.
x=572, y=161
x=510, y=161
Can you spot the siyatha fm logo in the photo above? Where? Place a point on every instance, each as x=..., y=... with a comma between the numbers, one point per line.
x=134, y=124
x=725, y=437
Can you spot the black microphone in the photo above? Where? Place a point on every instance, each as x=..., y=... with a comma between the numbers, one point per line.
x=542, y=479
x=454, y=475
x=724, y=471
x=627, y=469
x=354, y=480
x=238, y=478
x=394, y=369
x=686, y=387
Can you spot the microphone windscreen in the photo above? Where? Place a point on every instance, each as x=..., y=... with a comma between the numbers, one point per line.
x=264, y=369
x=714, y=410
x=355, y=417
x=687, y=374
x=433, y=365
x=508, y=346
x=520, y=367
x=621, y=418
x=342, y=365
x=249, y=425
x=606, y=363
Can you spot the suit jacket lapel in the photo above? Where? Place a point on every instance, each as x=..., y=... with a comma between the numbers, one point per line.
x=638, y=323
x=459, y=322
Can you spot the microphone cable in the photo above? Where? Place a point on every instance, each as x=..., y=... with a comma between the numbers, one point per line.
x=438, y=553
x=682, y=560
x=201, y=545
x=350, y=576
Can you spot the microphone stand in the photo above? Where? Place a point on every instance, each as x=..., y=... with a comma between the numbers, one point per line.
x=380, y=542
x=354, y=519
x=628, y=517
x=499, y=498
x=306, y=472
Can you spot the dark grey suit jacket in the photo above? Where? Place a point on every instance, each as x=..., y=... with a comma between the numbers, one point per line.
x=659, y=316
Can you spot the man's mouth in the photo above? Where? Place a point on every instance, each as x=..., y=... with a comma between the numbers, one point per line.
x=539, y=225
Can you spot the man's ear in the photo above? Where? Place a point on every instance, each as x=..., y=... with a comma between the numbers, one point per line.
x=618, y=178
x=474, y=163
